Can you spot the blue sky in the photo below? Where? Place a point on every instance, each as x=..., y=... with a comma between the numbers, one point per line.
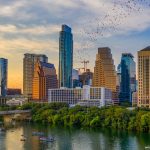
x=33, y=26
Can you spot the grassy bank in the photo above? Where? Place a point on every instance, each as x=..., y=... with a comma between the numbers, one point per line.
x=112, y=117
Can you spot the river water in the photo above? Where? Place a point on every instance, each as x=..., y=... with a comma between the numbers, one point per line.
x=71, y=139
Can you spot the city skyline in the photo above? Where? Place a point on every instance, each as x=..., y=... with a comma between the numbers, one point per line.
x=27, y=27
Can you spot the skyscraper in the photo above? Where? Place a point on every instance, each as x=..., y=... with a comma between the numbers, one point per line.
x=118, y=78
x=104, y=70
x=144, y=77
x=28, y=71
x=65, y=57
x=44, y=78
x=128, y=77
x=3, y=76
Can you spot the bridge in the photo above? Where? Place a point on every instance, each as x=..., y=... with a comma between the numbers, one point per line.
x=16, y=115
x=10, y=112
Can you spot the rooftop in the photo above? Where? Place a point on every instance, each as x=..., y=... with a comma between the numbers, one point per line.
x=32, y=54
x=48, y=65
x=146, y=49
x=103, y=49
x=127, y=55
x=66, y=28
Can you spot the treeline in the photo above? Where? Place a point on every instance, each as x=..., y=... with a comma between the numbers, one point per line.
x=1, y=119
x=111, y=117
x=7, y=108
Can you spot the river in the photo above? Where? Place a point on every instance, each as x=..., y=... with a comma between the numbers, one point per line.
x=71, y=139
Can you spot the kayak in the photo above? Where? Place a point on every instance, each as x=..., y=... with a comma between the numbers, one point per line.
x=47, y=139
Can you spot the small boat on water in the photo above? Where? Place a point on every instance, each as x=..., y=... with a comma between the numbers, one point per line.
x=23, y=139
x=22, y=135
x=47, y=139
x=37, y=133
x=2, y=129
x=147, y=147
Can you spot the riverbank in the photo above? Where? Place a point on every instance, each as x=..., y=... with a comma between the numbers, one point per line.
x=59, y=114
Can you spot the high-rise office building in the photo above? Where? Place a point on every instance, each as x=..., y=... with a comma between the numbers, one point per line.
x=104, y=70
x=28, y=71
x=44, y=78
x=65, y=57
x=3, y=76
x=144, y=77
x=128, y=77
x=118, y=78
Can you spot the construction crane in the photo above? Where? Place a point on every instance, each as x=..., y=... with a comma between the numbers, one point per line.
x=85, y=62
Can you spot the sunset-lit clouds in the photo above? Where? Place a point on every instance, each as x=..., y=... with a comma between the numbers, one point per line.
x=33, y=27
x=8, y=28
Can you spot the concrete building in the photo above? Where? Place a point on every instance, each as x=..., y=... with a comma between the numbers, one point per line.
x=75, y=78
x=14, y=98
x=144, y=77
x=89, y=96
x=128, y=77
x=3, y=101
x=12, y=91
x=3, y=76
x=104, y=70
x=44, y=78
x=86, y=78
x=65, y=57
x=16, y=101
x=28, y=70
x=134, y=99
x=118, y=78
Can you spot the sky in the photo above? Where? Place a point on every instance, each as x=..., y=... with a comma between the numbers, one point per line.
x=32, y=26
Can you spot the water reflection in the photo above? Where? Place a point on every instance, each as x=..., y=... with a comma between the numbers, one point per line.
x=71, y=139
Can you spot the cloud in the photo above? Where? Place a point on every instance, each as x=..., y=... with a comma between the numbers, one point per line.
x=32, y=30
x=25, y=45
x=10, y=8
x=33, y=26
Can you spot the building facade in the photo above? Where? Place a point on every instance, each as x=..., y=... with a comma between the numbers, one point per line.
x=75, y=78
x=104, y=70
x=44, y=78
x=4, y=100
x=65, y=57
x=28, y=71
x=134, y=99
x=144, y=77
x=3, y=76
x=118, y=78
x=97, y=96
x=86, y=78
x=12, y=91
x=128, y=77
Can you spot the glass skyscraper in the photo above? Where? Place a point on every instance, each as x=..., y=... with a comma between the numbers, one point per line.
x=65, y=57
x=3, y=76
x=128, y=77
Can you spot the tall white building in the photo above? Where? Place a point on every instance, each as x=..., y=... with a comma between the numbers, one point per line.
x=91, y=96
x=144, y=77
